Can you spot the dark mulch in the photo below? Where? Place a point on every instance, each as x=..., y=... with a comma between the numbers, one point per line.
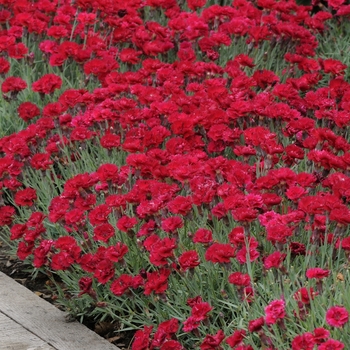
x=44, y=288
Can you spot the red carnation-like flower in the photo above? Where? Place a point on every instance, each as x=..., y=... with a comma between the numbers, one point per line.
x=104, y=271
x=41, y=161
x=4, y=66
x=337, y=316
x=303, y=342
x=239, y=279
x=47, y=84
x=99, y=215
x=305, y=295
x=61, y=261
x=121, y=284
x=317, y=273
x=195, y=4
x=275, y=311
x=203, y=235
x=85, y=286
x=116, y=253
x=25, y=197
x=256, y=324
x=103, y=232
x=125, y=223
x=189, y=260
x=274, y=260
x=236, y=338
x=321, y=335
x=162, y=250
x=171, y=224
x=220, y=253
x=200, y=310
x=212, y=342
x=13, y=84
x=6, y=215
x=166, y=330
x=110, y=141
x=331, y=344
x=157, y=282
x=142, y=339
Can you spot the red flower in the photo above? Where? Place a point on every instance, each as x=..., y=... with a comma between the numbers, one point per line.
x=278, y=232
x=116, y=253
x=236, y=236
x=236, y=338
x=104, y=271
x=130, y=56
x=104, y=232
x=321, y=334
x=121, y=284
x=4, y=66
x=47, y=84
x=305, y=295
x=203, y=235
x=180, y=205
x=125, y=223
x=161, y=251
x=41, y=253
x=81, y=133
x=337, y=316
x=190, y=324
x=256, y=325
x=239, y=279
x=220, y=253
x=25, y=197
x=333, y=66
x=24, y=249
x=14, y=84
x=304, y=342
x=166, y=330
x=274, y=260
x=58, y=208
x=110, y=141
x=142, y=339
x=171, y=345
x=275, y=311
x=17, y=51
x=200, y=311
x=157, y=282
x=317, y=273
x=6, y=215
x=61, y=261
x=244, y=253
x=189, y=260
x=18, y=231
x=74, y=217
x=85, y=286
x=41, y=161
x=331, y=344
x=99, y=215
x=108, y=172
x=194, y=5
x=212, y=342
x=28, y=111
x=57, y=32
x=172, y=224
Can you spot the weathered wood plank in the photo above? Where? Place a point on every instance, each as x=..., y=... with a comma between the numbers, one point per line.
x=45, y=320
x=15, y=337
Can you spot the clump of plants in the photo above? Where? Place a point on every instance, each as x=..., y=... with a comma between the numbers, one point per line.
x=183, y=167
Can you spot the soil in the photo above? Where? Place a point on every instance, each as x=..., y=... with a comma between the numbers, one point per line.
x=44, y=288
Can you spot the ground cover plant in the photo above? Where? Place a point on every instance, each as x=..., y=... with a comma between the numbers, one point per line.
x=183, y=166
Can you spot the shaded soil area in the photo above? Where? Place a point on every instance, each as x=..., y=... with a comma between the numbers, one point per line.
x=44, y=288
